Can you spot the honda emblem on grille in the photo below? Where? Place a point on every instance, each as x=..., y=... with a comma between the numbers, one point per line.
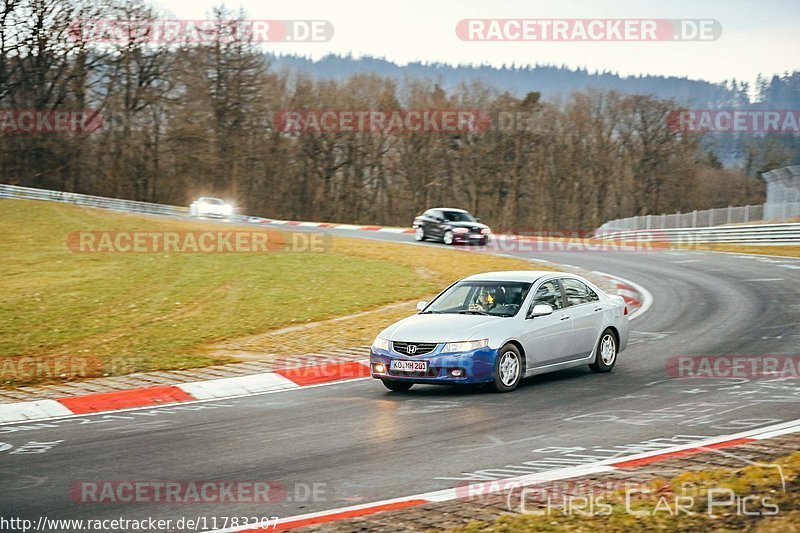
x=411, y=349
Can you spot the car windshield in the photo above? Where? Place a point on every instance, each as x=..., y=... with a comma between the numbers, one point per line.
x=212, y=201
x=493, y=298
x=458, y=216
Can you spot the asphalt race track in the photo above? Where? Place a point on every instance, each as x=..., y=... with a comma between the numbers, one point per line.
x=356, y=442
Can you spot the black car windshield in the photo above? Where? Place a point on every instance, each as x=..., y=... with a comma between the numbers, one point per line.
x=492, y=298
x=458, y=216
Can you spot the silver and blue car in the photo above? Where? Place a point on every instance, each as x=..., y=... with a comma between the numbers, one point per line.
x=500, y=327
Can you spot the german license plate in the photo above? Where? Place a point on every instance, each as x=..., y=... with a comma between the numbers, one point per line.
x=408, y=366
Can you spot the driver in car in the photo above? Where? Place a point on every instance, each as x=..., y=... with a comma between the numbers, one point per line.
x=487, y=300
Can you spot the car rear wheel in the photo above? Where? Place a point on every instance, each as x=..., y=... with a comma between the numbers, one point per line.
x=448, y=237
x=399, y=386
x=419, y=233
x=507, y=369
x=606, y=353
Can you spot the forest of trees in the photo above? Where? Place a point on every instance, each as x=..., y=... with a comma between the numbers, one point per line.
x=180, y=121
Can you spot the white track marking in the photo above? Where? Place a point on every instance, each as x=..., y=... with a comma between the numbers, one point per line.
x=501, y=485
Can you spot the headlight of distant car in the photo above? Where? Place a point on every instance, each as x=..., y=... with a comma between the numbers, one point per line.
x=486, y=231
x=227, y=210
x=460, y=230
x=381, y=343
x=466, y=346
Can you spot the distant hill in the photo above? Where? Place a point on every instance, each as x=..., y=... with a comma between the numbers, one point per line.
x=551, y=81
x=776, y=92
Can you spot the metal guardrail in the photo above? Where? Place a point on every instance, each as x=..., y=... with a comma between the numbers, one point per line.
x=746, y=214
x=128, y=206
x=764, y=234
x=759, y=234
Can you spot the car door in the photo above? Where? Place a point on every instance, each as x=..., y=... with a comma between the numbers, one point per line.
x=546, y=338
x=437, y=219
x=586, y=310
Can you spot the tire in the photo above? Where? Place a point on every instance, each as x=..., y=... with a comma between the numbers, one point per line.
x=419, y=234
x=505, y=356
x=605, y=353
x=398, y=386
x=447, y=238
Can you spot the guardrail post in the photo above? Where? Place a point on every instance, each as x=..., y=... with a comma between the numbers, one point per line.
x=730, y=214
x=648, y=222
x=747, y=213
x=694, y=218
x=711, y=217
x=663, y=221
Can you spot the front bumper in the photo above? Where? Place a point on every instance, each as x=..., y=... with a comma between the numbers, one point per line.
x=476, y=366
x=478, y=238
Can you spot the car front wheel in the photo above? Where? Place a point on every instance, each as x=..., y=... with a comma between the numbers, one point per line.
x=448, y=237
x=419, y=233
x=606, y=353
x=507, y=369
x=399, y=386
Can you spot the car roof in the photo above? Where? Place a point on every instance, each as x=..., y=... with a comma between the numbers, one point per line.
x=447, y=209
x=528, y=276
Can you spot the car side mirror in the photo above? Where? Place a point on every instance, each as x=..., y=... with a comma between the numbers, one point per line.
x=477, y=220
x=540, y=310
x=422, y=305
x=439, y=219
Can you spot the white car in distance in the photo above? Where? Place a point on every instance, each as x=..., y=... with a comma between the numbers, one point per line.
x=207, y=206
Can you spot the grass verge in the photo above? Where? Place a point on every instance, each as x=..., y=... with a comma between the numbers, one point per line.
x=70, y=315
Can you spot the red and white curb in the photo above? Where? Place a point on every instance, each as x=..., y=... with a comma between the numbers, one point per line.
x=285, y=379
x=330, y=225
x=497, y=486
x=637, y=298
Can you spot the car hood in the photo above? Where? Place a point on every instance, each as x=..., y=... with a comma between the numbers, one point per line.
x=439, y=328
x=478, y=225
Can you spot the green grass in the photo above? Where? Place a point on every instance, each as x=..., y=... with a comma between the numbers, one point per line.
x=127, y=312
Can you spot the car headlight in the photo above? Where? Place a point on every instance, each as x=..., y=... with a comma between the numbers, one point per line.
x=460, y=230
x=465, y=346
x=486, y=231
x=227, y=210
x=381, y=343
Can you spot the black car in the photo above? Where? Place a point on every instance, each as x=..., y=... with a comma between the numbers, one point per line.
x=451, y=226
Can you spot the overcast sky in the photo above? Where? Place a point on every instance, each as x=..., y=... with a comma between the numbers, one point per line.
x=757, y=36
